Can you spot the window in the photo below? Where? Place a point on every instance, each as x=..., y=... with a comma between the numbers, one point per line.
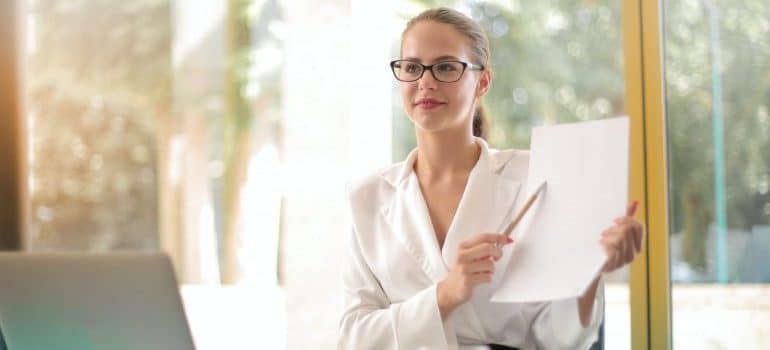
x=717, y=98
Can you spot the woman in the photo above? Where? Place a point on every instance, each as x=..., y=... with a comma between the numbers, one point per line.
x=424, y=252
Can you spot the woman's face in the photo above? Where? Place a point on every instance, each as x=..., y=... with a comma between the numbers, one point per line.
x=435, y=106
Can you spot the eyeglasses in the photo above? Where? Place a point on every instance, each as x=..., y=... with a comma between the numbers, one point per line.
x=444, y=71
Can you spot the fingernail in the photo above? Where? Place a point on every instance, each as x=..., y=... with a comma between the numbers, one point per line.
x=508, y=240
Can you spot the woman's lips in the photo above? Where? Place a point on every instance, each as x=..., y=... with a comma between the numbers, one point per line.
x=428, y=103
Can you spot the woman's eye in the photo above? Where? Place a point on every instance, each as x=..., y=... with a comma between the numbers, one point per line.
x=411, y=68
x=446, y=67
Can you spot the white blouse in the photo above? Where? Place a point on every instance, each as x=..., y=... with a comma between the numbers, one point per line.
x=393, y=264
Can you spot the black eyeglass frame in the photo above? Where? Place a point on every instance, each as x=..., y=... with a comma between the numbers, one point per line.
x=466, y=66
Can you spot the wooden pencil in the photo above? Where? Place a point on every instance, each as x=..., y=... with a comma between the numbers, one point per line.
x=524, y=210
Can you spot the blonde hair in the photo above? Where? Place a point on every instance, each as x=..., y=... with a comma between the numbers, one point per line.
x=479, y=44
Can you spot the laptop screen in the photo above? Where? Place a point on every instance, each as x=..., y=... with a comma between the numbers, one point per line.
x=91, y=301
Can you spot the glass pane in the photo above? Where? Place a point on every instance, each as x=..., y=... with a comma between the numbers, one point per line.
x=155, y=125
x=554, y=61
x=139, y=112
x=92, y=111
x=717, y=64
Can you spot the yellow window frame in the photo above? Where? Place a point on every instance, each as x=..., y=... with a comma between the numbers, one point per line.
x=645, y=104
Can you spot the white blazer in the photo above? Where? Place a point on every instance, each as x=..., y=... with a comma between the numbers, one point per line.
x=393, y=264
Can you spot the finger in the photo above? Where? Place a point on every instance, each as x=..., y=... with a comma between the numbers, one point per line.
x=480, y=251
x=476, y=252
x=605, y=239
x=477, y=268
x=631, y=229
x=628, y=248
x=630, y=244
x=631, y=210
x=485, y=238
x=618, y=261
x=624, y=220
x=481, y=266
x=638, y=235
x=612, y=235
x=621, y=219
x=626, y=243
x=617, y=257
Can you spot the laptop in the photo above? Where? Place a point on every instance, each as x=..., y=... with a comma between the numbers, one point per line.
x=115, y=301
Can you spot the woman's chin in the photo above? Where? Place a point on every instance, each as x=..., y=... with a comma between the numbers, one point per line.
x=434, y=128
x=429, y=123
x=434, y=122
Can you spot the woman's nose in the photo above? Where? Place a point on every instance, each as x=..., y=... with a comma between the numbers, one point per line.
x=427, y=81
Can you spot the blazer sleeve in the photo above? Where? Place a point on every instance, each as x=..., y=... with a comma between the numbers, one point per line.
x=557, y=325
x=371, y=321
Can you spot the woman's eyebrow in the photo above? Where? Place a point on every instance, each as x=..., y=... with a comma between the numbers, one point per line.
x=446, y=58
x=442, y=58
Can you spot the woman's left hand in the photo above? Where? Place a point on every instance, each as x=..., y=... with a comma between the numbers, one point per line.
x=623, y=240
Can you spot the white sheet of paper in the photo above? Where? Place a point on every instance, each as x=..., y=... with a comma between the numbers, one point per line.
x=556, y=251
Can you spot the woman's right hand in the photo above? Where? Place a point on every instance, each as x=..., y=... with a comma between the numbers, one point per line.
x=474, y=265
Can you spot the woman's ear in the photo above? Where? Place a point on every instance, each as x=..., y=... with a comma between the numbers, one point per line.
x=484, y=83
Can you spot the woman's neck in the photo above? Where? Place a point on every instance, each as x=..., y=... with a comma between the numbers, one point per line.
x=445, y=155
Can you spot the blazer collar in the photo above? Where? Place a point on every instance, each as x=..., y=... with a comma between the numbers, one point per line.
x=486, y=206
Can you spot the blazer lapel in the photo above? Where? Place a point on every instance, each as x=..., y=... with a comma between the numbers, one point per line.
x=409, y=220
x=486, y=205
